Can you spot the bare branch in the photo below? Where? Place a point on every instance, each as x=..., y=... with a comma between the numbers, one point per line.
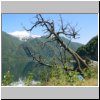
x=40, y=61
x=45, y=43
x=38, y=58
x=67, y=31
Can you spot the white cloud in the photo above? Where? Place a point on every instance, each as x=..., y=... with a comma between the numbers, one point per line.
x=23, y=35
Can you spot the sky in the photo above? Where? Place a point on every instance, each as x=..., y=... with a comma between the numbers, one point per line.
x=86, y=23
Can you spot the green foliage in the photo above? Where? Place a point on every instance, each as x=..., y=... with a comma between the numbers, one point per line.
x=90, y=49
x=82, y=51
x=44, y=75
x=90, y=73
x=58, y=77
x=63, y=77
x=28, y=80
x=72, y=77
x=87, y=60
x=56, y=72
x=8, y=78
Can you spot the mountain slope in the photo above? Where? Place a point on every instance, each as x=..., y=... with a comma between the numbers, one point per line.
x=10, y=59
x=15, y=59
x=90, y=50
x=9, y=43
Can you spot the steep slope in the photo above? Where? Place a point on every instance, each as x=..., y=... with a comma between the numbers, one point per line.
x=90, y=50
x=10, y=59
x=9, y=44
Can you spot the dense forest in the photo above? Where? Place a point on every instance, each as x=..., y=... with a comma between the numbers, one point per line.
x=89, y=50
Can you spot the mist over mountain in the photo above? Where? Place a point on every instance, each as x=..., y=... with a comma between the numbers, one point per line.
x=23, y=35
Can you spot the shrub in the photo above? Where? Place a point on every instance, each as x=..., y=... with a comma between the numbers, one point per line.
x=28, y=80
x=72, y=77
x=58, y=77
x=90, y=73
x=8, y=78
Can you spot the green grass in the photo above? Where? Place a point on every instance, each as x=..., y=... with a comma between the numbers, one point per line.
x=57, y=77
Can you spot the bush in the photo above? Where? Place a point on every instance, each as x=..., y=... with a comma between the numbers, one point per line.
x=90, y=73
x=58, y=77
x=8, y=78
x=87, y=60
x=28, y=80
x=72, y=77
x=56, y=72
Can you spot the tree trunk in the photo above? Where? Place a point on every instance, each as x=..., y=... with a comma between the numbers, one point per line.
x=73, y=53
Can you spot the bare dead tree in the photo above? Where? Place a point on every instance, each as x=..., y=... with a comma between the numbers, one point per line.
x=67, y=31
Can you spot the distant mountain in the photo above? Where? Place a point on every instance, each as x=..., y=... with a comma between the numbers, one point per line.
x=15, y=59
x=89, y=50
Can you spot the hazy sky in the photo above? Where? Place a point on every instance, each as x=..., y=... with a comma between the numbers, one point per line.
x=87, y=23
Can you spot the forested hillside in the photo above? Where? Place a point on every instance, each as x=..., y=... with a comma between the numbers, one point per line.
x=15, y=59
x=89, y=50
